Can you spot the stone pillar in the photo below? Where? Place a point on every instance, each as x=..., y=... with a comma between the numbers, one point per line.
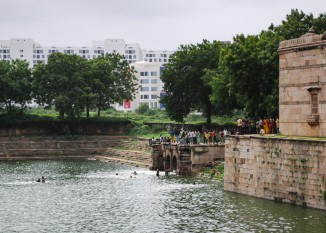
x=184, y=160
x=157, y=158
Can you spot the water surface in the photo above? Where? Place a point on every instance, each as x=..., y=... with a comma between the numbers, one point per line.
x=95, y=196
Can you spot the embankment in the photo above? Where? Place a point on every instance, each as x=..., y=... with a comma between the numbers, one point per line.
x=282, y=169
x=121, y=149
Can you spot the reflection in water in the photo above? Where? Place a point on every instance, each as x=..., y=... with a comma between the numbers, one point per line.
x=94, y=196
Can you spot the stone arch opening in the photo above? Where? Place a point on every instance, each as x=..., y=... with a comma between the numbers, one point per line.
x=168, y=162
x=174, y=163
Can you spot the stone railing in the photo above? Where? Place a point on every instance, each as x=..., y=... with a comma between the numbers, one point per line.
x=303, y=41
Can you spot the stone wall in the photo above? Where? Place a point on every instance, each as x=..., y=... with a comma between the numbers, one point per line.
x=203, y=155
x=286, y=170
x=17, y=148
x=40, y=128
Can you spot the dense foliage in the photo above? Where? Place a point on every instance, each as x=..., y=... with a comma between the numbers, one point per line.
x=240, y=76
x=69, y=83
x=15, y=85
x=184, y=83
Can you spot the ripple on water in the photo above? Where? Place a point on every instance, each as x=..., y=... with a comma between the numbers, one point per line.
x=89, y=196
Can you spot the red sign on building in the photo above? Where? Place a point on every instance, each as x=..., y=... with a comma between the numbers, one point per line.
x=126, y=104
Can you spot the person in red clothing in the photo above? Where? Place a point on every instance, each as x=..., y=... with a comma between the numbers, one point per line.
x=214, y=136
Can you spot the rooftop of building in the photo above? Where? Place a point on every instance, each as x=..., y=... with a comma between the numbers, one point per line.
x=307, y=40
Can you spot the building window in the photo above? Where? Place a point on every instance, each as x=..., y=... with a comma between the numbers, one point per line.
x=144, y=89
x=154, y=73
x=153, y=97
x=143, y=73
x=144, y=81
x=83, y=51
x=153, y=81
x=52, y=51
x=144, y=97
x=153, y=88
x=99, y=51
x=39, y=51
x=68, y=51
x=314, y=103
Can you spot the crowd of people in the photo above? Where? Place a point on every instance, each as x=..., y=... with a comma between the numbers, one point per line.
x=214, y=136
x=261, y=126
x=194, y=136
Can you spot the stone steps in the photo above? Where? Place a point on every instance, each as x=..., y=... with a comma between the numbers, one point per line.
x=137, y=157
x=31, y=147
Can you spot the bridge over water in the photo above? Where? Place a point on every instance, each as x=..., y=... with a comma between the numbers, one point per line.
x=185, y=159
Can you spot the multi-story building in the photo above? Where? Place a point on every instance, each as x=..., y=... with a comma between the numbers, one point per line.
x=151, y=86
x=148, y=64
x=27, y=49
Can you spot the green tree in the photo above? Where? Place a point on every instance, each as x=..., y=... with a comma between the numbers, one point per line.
x=248, y=69
x=15, y=84
x=251, y=67
x=186, y=86
x=61, y=83
x=296, y=24
x=223, y=96
x=112, y=80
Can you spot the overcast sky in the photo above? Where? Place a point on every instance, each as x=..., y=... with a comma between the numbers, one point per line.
x=154, y=24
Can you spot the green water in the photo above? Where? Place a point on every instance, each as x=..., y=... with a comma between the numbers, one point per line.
x=94, y=196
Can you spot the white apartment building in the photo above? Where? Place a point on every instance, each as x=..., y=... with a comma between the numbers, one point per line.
x=151, y=87
x=148, y=64
x=27, y=49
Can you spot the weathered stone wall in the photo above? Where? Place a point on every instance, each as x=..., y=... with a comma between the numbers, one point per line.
x=157, y=158
x=66, y=128
x=16, y=148
x=302, y=86
x=287, y=170
x=203, y=155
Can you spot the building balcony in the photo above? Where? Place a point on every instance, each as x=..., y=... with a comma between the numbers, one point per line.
x=313, y=119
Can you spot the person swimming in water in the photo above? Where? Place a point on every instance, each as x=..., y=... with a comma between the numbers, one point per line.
x=43, y=179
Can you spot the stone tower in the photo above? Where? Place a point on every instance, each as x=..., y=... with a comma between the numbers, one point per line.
x=302, y=85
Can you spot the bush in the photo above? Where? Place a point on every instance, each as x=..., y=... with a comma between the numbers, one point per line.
x=142, y=109
x=141, y=130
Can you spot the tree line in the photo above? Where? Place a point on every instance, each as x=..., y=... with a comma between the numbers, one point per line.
x=218, y=78
x=69, y=83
